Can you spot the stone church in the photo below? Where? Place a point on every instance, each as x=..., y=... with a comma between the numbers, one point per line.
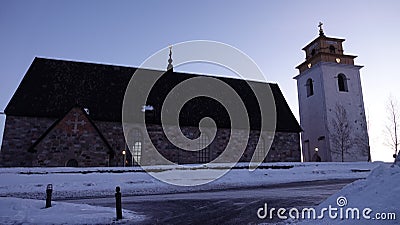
x=67, y=113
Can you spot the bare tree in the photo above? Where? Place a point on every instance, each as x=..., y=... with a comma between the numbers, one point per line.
x=340, y=135
x=362, y=139
x=393, y=125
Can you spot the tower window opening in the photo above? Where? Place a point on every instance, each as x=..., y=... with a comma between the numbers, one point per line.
x=342, y=83
x=332, y=49
x=310, y=87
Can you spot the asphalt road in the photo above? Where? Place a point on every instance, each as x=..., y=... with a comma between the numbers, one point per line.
x=233, y=206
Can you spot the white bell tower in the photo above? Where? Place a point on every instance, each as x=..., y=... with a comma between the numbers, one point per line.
x=331, y=105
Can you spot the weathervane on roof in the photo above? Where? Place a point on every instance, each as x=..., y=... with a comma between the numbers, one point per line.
x=170, y=66
x=321, y=31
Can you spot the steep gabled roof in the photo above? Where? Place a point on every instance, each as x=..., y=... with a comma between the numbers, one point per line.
x=51, y=87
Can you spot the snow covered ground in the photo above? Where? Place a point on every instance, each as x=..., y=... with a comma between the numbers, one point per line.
x=97, y=182
x=29, y=211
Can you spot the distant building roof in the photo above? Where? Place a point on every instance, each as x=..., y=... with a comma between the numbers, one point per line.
x=51, y=87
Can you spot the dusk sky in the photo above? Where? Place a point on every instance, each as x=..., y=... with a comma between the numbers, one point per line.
x=272, y=33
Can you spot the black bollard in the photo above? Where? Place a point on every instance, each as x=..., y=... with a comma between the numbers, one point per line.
x=118, y=205
x=49, y=191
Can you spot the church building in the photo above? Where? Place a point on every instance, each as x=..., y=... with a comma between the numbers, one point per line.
x=67, y=113
x=331, y=104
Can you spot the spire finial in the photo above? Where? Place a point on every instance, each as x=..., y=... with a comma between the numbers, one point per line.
x=321, y=31
x=170, y=66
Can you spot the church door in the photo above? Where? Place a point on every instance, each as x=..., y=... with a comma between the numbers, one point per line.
x=72, y=163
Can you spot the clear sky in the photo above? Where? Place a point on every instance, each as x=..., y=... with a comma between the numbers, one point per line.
x=271, y=32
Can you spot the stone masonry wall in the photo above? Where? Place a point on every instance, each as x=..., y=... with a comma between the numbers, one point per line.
x=73, y=138
x=21, y=132
x=284, y=148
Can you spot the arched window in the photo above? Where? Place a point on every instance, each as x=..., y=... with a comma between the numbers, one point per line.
x=136, y=148
x=342, y=83
x=204, y=153
x=310, y=87
x=259, y=153
x=332, y=49
x=72, y=163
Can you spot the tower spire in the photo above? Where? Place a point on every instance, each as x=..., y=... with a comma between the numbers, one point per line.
x=170, y=66
x=321, y=31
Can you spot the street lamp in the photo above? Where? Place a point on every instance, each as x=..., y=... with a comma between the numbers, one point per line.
x=316, y=149
x=124, y=153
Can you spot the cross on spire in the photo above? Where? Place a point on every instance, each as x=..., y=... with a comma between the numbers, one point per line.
x=321, y=31
x=170, y=66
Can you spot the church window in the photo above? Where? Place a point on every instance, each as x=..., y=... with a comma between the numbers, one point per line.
x=332, y=49
x=310, y=87
x=259, y=153
x=313, y=52
x=136, y=149
x=204, y=153
x=342, y=83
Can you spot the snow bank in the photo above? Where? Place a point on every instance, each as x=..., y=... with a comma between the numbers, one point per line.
x=96, y=182
x=380, y=192
x=28, y=211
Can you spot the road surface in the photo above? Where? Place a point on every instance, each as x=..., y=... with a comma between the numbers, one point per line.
x=233, y=206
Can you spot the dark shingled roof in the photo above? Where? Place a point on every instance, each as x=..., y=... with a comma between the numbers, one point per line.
x=51, y=87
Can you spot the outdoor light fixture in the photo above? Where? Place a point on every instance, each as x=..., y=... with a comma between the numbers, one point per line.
x=316, y=149
x=124, y=153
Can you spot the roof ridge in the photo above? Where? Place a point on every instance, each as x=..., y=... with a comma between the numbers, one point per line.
x=148, y=69
x=83, y=62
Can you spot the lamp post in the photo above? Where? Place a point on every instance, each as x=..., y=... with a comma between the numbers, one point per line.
x=124, y=153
